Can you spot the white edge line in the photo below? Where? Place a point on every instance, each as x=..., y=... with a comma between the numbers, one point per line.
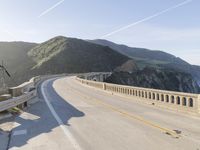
x=57, y=118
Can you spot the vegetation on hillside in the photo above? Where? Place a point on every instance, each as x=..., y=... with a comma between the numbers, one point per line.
x=152, y=58
x=69, y=55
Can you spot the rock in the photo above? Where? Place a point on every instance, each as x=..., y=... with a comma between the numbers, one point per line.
x=156, y=78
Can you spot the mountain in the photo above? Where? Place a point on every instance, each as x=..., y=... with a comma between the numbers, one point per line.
x=72, y=55
x=15, y=58
x=129, y=66
x=139, y=54
x=148, y=77
x=57, y=55
x=150, y=58
x=15, y=53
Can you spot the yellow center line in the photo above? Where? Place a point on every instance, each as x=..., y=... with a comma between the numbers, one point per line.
x=128, y=115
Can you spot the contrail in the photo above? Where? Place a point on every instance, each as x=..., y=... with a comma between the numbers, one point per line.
x=50, y=9
x=147, y=18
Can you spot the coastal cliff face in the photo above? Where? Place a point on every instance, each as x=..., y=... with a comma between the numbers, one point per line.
x=156, y=78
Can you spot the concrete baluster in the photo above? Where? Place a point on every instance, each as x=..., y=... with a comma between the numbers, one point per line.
x=198, y=103
x=104, y=86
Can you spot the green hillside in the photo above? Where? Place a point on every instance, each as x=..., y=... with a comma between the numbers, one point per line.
x=69, y=55
x=151, y=58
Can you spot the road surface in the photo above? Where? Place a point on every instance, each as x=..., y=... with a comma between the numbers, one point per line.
x=72, y=116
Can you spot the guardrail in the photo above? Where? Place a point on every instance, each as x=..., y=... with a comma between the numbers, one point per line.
x=13, y=102
x=24, y=92
x=20, y=94
x=24, y=87
x=167, y=99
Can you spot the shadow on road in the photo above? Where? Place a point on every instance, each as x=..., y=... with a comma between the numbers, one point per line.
x=42, y=121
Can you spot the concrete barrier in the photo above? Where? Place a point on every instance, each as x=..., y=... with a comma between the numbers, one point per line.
x=179, y=101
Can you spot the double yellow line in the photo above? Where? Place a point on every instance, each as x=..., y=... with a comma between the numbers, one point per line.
x=128, y=115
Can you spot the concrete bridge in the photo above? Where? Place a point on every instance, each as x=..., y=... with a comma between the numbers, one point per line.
x=83, y=112
x=185, y=102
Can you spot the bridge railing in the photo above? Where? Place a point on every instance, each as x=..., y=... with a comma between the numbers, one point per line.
x=15, y=101
x=179, y=101
x=20, y=94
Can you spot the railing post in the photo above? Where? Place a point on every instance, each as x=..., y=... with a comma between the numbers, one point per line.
x=181, y=101
x=104, y=86
x=198, y=103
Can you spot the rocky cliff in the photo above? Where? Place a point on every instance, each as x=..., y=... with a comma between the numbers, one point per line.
x=156, y=78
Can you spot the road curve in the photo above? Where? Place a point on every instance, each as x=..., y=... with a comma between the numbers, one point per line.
x=71, y=116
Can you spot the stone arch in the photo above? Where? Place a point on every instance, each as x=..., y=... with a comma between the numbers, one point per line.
x=133, y=92
x=167, y=98
x=146, y=95
x=128, y=92
x=178, y=100
x=142, y=93
x=149, y=95
x=154, y=96
x=184, y=101
x=157, y=96
x=191, y=102
x=162, y=98
x=172, y=99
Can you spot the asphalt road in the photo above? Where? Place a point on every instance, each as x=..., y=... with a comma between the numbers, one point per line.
x=72, y=116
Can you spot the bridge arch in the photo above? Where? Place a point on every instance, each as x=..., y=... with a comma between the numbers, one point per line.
x=162, y=98
x=146, y=95
x=172, y=99
x=178, y=100
x=154, y=96
x=158, y=97
x=184, y=101
x=167, y=98
x=191, y=102
x=143, y=94
x=149, y=95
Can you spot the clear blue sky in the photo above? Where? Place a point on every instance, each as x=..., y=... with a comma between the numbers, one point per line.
x=176, y=31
